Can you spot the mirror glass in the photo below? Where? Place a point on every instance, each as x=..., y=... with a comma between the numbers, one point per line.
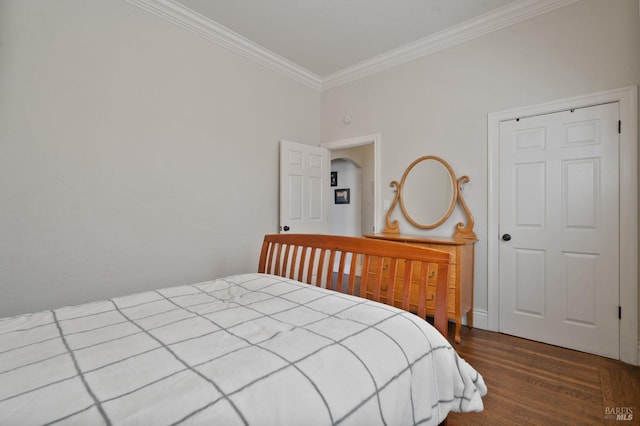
x=428, y=192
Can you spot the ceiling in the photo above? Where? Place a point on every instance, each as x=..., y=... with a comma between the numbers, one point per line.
x=327, y=36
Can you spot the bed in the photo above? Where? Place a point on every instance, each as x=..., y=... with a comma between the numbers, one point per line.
x=307, y=340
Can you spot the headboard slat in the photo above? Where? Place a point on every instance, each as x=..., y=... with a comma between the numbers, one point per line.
x=352, y=274
x=332, y=259
x=364, y=279
x=376, y=268
x=406, y=284
x=319, y=270
x=391, y=288
x=422, y=289
x=312, y=258
x=303, y=257
x=276, y=270
x=294, y=259
x=285, y=260
x=343, y=257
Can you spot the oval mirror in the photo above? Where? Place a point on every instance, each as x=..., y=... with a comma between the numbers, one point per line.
x=428, y=192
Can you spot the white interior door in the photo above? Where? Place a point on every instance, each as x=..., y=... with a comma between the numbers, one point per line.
x=559, y=219
x=304, y=188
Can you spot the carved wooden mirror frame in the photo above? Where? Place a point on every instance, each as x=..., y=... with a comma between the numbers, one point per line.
x=462, y=230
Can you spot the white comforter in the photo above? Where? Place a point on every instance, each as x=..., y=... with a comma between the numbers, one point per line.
x=247, y=349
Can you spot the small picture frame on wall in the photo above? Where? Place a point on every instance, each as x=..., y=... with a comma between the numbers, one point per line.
x=343, y=196
x=334, y=178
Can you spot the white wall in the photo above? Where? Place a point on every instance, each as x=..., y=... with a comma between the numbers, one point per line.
x=133, y=154
x=438, y=105
x=125, y=141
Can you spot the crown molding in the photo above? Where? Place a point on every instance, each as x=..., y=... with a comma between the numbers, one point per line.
x=189, y=20
x=473, y=28
x=178, y=14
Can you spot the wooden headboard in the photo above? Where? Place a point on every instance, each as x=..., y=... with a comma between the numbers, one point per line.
x=374, y=269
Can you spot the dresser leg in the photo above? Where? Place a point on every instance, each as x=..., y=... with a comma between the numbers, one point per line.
x=457, y=338
x=470, y=318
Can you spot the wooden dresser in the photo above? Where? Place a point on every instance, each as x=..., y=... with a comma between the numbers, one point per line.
x=427, y=194
x=460, y=297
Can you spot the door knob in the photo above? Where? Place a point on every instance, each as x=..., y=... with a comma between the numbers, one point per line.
x=285, y=228
x=506, y=237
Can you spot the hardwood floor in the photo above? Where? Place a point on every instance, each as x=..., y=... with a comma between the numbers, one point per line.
x=532, y=383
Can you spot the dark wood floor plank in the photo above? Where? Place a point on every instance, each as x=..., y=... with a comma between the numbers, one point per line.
x=621, y=390
x=531, y=383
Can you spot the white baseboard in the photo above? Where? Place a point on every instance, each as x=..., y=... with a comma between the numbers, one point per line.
x=480, y=319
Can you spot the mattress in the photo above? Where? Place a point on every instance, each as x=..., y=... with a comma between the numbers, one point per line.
x=246, y=349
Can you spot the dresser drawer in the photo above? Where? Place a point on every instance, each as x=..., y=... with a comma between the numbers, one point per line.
x=416, y=271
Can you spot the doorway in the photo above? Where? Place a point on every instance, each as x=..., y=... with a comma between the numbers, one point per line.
x=345, y=213
x=364, y=153
x=627, y=274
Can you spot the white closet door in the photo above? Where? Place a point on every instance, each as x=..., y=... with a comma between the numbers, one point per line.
x=559, y=220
